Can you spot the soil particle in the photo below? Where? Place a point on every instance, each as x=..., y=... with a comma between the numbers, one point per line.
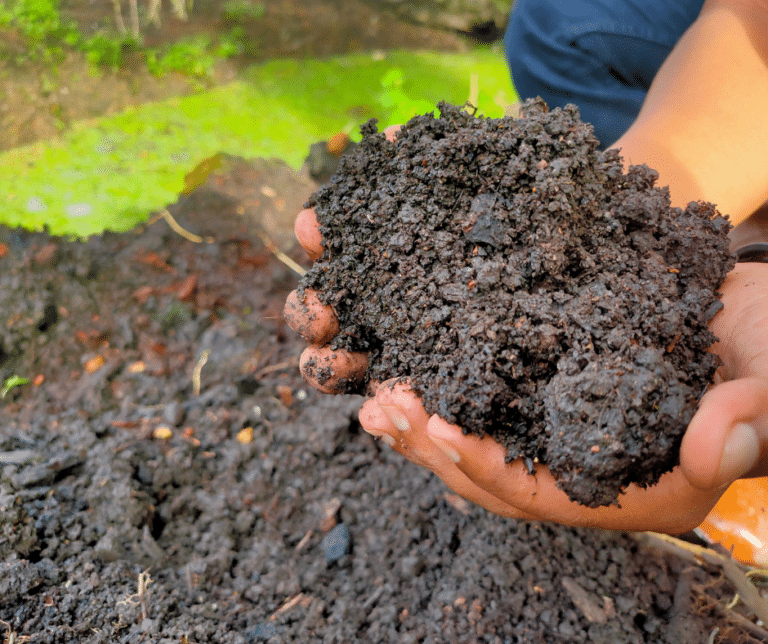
x=528, y=288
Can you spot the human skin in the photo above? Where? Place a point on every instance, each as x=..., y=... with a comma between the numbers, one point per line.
x=702, y=127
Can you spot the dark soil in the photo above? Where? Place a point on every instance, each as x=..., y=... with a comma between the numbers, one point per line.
x=528, y=288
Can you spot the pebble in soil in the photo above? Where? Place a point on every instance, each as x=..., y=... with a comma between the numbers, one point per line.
x=528, y=287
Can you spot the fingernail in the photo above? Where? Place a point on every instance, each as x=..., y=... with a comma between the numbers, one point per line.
x=742, y=449
x=389, y=440
x=397, y=418
x=446, y=448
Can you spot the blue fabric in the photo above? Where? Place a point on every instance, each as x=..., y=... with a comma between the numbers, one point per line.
x=598, y=54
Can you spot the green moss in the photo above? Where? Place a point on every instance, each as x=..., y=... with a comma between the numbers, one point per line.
x=109, y=175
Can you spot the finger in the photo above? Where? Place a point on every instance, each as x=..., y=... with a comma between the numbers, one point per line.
x=390, y=421
x=402, y=405
x=310, y=318
x=306, y=227
x=308, y=233
x=333, y=371
x=725, y=439
x=741, y=324
x=482, y=461
x=376, y=423
x=398, y=417
x=391, y=132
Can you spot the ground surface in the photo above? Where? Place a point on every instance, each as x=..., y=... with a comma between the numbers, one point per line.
x=129, y=458
x=149, y=354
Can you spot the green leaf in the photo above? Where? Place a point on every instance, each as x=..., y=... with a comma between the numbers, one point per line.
x=11, y=382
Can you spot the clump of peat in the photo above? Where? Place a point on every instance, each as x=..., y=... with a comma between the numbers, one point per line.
x=528, y=288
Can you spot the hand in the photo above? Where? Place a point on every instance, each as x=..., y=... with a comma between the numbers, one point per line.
x=724, y=440
x=329, y=371
x=727, y=438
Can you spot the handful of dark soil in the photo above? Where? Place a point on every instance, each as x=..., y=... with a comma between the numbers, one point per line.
x=528, y=288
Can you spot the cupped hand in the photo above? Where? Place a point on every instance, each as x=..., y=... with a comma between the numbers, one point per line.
x=726, y=440
x=327, y=370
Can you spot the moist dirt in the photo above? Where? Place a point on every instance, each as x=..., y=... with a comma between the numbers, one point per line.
x=167, y=477
x=528, y=288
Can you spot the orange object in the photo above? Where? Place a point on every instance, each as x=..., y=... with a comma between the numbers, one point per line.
x=739, y=521
x=337, y=143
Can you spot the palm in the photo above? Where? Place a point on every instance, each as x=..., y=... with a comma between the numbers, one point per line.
x=680, y=500
x=475, y=468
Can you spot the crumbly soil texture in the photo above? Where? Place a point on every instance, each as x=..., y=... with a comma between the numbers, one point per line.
x=137, y=507
x=528, y=288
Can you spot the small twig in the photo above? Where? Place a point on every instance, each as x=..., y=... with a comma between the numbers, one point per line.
x=304, y=541
x=141, y=596
x=375, y=595
x=197, y=371
x=474, y=89
x=143, y=593
x=272, y=247
x=456, y=203
x=742, y=621
x=276, y=367
x=290, y=603
x=696, y=554
x=757, y=572
x=176, y=227
x=681, y=603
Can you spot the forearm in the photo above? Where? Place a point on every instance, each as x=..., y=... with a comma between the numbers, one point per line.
x=704, y=123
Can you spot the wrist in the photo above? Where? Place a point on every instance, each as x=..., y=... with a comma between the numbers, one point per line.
x=637, y=148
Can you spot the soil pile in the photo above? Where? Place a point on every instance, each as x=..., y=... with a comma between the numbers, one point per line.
x=528, y=287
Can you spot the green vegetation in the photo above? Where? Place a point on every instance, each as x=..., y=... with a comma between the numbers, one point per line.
x=11, y=383
x=241, y=11
x=110, y=174
x=192, y=56
x=48, y=36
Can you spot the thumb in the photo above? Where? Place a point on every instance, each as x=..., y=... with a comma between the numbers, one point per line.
x=726, y=440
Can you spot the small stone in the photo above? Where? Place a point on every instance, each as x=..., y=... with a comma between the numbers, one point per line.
x=245, y=435
x=336, y=543
x=330, y=514
x=262, y=631
x=17, y=457
x=163, y=432
x=411, y=566
x=108, y=548
x=45, y=473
